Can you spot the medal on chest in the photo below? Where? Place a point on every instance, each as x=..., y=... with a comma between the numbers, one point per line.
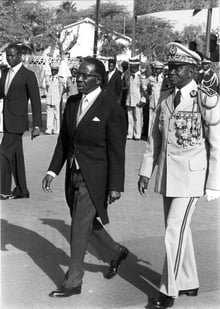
x=188, y=125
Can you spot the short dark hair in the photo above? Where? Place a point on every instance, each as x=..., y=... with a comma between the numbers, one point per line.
x=113, y=61
x=99, y=66
x=15, y=46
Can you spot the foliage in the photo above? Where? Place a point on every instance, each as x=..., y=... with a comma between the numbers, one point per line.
x=152, y=35
x=66, y=14
x=39, y=27
x=35, y=25
x=110, y=46
x=193, y=33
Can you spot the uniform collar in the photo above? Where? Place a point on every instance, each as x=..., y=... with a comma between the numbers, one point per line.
x=187, y=88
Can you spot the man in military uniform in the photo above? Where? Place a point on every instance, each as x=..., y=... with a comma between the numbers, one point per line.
x=135, y=100
x=185, y=144
x=154, y=83
x=55, y=90
x=207, y=77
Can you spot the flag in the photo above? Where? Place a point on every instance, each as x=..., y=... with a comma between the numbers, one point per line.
x=143, y=7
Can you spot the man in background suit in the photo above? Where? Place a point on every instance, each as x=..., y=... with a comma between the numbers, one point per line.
x=92, y=142
x=17, y=86
x=113, y=82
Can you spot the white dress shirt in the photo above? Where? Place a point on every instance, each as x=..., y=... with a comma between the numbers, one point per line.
x=110, y=74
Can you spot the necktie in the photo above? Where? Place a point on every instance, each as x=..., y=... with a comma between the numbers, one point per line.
x=83, y=105
x=8, y=80
x=177, y=98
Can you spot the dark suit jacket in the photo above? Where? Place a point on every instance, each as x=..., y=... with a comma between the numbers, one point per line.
x=98, y=143
x=15, y=107
x=114, y=85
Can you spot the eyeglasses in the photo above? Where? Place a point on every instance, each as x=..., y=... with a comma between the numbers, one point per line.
x=85, y=76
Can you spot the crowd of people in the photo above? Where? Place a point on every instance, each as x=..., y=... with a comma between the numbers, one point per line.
x=174, y=106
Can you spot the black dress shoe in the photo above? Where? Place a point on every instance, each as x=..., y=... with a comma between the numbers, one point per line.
x=163, y=301
x=193, y=292
x=113, y=269
x=16, y=196
x=65, y=292
x=4, y=197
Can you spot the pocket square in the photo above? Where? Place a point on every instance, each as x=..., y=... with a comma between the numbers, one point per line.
x=95, y=119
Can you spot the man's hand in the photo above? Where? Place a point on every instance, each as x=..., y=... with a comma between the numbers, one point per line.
x=35, y=132
x=143, y=185
x=46, y=183
x=113, y=196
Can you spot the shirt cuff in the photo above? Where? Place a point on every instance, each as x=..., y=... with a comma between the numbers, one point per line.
x=51, y=173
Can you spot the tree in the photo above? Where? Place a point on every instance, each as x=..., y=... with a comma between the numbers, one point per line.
x=110, y=46
x=28, y=26
x=193, y=33
x=152, y=36
x=35, y=25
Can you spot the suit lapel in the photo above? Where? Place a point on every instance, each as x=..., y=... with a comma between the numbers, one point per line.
x=88, y=115
x=18, y=75
x=4, y=74
x=72, y=116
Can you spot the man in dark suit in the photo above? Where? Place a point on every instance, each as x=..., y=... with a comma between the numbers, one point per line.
x=17, y=86
x=113, y=81
x=92, y=142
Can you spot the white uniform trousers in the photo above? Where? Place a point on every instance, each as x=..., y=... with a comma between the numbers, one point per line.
x=179, y=271
x=135, y=121
x=152, y=115
x=53, y=119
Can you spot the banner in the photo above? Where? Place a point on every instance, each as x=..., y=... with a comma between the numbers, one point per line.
x=143, y=7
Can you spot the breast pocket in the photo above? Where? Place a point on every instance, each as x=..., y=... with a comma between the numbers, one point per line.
x=198, y=162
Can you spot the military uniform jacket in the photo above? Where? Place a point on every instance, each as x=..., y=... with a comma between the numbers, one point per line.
x=188, y=158
x=98, y=144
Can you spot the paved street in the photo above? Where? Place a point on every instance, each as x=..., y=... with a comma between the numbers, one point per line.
x=35, y=244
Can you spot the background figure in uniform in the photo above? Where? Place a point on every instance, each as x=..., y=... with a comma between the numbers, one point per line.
x=113, y=82
x=92, y=141
x=214, y=48
x=193, y=47
x=71, y=86
x=135, y=100
x=18, y=85
x=154, y=83
x=55, y=89
x=188, y=166
x=207, y=77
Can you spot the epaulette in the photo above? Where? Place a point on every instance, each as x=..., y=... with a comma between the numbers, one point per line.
x=207, y=90
x=208, y=105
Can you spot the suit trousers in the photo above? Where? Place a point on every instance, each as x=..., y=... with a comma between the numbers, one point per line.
x=85, y=228
x=12, y=162
x=179, y=271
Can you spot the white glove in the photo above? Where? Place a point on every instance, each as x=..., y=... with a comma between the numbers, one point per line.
x=212, y=194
